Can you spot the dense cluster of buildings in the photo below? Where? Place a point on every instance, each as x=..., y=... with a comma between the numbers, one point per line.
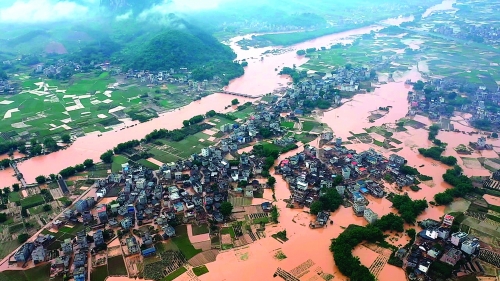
x=481, y=33
x=354, y=175
x=436, y=242
x=439, y=99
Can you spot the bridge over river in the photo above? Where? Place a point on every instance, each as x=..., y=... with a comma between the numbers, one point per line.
x=239, y=94
x=19, y=175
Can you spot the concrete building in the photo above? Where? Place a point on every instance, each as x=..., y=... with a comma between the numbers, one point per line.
x=346, y=172
x=38, y=255
x=24, y=253
x=370, y=216
x=458, y=237
x=67, y=246
x=452, y=256
x=81, y=206
x=98, y=238
x=102, y=214
x=359, y=209
x=470, y=246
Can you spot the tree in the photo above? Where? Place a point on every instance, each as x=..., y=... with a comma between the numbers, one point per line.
x=301, y=52
x=390, y=222
x=226, y=209
x=235, y=102
x=22, y=238
x=3, y=217
x=41, y=179
x=271, y=181
x=494, y=135
x=15, y=187
x=331, y=200
x=88, y=163
x=66, y=138
x=52, y=176
x=50, y=144
x=316, y=207
x=80, y=168
x=24, y=213
x=47, y=208
x=5, y=163
x=6, y=190
x=107, y=157
x=185, y=123
x=211, y=113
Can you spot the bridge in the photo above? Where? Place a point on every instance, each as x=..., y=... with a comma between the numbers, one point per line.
x=239, y=94
x=19, y=175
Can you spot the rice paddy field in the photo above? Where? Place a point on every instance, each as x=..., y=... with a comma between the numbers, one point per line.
x=86, y=103
x=398, y=49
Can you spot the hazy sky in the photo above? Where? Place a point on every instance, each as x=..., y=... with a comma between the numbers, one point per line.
x=31, y=11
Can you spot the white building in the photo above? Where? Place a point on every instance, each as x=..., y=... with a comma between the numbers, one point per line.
x=370, y=216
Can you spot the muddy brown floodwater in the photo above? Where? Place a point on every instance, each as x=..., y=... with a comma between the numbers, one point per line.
x=307, y=251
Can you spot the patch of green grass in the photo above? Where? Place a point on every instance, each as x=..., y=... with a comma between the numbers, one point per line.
x=71, y=230
x=200, y=270
x=32, y=201
x=99, y=273
x=163, y=156
x=200, y=229
x=14, y=197
x=38, y=273
x=378, y=143
x=242, y=114
x=493, y=218
x=116, y=266
x=287, y=124
x=305, y=138
x=174, y=274
x=148, y=164
x=228, y=230
x=261, y=220
x=7, y=247
x=226, y=246
x=308, y=126
x=182, y=242
x=64, y=200
x=118, y=160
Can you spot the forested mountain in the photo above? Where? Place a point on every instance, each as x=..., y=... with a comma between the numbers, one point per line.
x=186, y=46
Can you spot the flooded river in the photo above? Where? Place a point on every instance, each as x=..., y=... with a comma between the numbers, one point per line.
x=306, y=247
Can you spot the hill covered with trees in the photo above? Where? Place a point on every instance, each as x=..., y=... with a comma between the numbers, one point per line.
x=190, y=47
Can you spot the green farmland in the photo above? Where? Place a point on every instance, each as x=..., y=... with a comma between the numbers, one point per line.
x=87, y=103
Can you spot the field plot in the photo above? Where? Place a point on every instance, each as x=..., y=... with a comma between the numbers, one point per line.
x=116, y=266
x=86, y=103
x=171, y=151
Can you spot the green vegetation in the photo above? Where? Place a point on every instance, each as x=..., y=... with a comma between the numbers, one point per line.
x=342, y=246
x=435, y=153
x=178, y=272
x=182, y=242
x=287, y=39
x=309, y=125
x=408, y=209
x=39, y=273
x=200, y=270
x=32, y=201
x=328, y=201
x=188, y=47
x=118, y=160
x=99, y=273
x=461, y=186
x=148, y=164
x=116, y=266
x=228, y=230
x=390, y=222
x=200, y=229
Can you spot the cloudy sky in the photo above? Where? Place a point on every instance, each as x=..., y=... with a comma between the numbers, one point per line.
x=31, y=11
